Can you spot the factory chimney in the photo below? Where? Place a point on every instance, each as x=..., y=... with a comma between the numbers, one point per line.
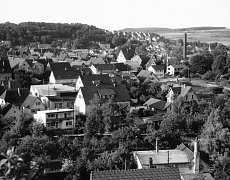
x=185, y=47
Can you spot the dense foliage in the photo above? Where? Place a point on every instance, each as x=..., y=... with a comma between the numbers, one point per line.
x=49, y=33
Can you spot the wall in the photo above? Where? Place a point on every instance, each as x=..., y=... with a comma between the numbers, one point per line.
x=79, y=83
x=79, y=104
x=52, y=78
x=14, y=113
x=121, y=57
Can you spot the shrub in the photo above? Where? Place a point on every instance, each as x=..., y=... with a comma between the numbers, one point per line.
x=209, y=75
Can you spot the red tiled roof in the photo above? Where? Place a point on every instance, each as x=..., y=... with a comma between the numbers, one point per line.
x=136, y=174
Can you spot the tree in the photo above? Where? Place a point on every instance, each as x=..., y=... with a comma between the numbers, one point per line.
x=94, y=121
x=209, y=75
x=214, y=137
x=201, y=63
x=32, y=147
x=23, y=77
x=222, y=168
x=119, y=40
x=14, y=167
x=220, y=64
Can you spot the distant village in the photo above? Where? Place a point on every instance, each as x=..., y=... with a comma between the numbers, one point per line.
x=61, y=87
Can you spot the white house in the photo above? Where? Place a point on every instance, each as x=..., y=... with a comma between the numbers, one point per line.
x=56, y=119
x=44, y=90
x=125, y=54
x=174, y=69
x=181, y=91
x=158, y=70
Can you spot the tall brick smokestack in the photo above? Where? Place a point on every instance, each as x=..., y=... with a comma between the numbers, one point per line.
x=185, y=47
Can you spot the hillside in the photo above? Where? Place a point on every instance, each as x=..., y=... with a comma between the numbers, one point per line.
x=28, y=32
x=148, y=30
x=169, y=30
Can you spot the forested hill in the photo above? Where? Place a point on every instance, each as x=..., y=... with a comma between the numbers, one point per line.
x=25, y=33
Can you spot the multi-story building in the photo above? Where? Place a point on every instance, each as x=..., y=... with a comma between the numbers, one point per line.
x=56, y=119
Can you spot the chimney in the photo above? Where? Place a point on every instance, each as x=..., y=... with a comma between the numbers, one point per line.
x=150, y=162
x=185, y=47
x=157, y=149
x=196, y=157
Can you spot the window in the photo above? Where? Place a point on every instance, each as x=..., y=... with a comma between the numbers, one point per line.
x=51, y=115
x=79, y=96
x=38, y=103
x=192, y=96
x=33, y=111
x=68, y=123
x=68, y=104
x=60, y=105
x=55, y=105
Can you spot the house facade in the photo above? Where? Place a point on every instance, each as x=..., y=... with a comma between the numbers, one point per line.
x=32, y=104
x=181, y=91
x=9, y=111
x=86, y=95
x=26, y=65
x=174, y=69
x=158, y=70
x=56, y=119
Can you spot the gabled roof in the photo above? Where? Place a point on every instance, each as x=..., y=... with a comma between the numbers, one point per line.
x=97, y=60
x=30, y=62
x=42, y=61
x=122, y=94
x=88, y=93
x=66, y=74
x=2, y=90
x=133, y=174
x=128, y=53
x=88, y=80
x=145, y=74
x=57, y=66
x=5, y=66
x=121, y=66
x=62, y=57
x=157, y=104
x=158, y=67
x=176, y=90
x=48, y=55
x=207, y=176
x=5, y=108
x=15, y=96
x=189, y=153
x=104, y=67
x=185, y=90
x=15, y=61
x=106, y=92
x=29, y=101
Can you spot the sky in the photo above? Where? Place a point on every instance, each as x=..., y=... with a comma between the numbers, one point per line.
x=119, y=14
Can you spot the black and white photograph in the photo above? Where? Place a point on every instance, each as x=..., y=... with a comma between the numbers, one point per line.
x=114, y=90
